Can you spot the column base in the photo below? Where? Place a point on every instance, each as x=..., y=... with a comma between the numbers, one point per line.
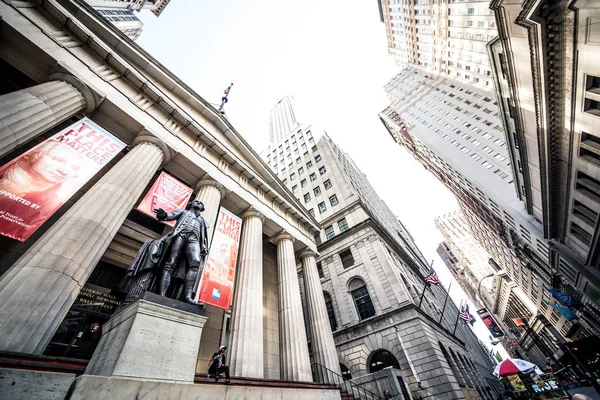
x=153, y=338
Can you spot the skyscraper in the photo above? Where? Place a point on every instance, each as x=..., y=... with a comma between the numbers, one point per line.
x=282, y=119
x=458, y=131
x=371, y=273
x=121, y=13
x=444, y=37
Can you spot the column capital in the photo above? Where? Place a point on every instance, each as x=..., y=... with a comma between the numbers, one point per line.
x=252, y=212
x=307, y=253
x=145, y=136
x=282, y=236
x=207, y=181
x=91, y=95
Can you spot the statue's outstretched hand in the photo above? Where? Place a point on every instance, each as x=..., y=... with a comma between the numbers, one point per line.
x=160, y=213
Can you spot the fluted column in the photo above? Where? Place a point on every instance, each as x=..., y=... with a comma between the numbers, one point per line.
x=37, y=292
x=323, y=345
x=29, y=112
x=210, y=192
x=295, y=361
x=246, y=337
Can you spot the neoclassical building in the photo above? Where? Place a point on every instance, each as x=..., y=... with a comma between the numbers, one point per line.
x=60, y=62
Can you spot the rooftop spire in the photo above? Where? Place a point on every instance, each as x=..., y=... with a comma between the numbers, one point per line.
x=224, y=99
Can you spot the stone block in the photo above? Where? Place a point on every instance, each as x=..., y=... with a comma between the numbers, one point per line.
x=149, y=340
x=20, y=384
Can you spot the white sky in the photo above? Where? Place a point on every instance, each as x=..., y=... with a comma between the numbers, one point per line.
x=332, y=57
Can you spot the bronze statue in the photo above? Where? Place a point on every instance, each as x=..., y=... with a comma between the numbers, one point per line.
x=179, y=254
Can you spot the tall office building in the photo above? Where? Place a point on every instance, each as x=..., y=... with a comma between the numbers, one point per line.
x=473, y=270
x=501, y=202
x=282, y=119
x=121, y=13
x=448, y=38
x=371, y=273
x=546, y=67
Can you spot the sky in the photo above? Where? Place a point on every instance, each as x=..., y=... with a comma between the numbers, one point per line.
x=331, y=56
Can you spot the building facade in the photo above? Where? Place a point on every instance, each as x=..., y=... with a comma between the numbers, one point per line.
x=448, y=38
x=546, y=68
x=282, y=119
x=53, y=77
x=121, y=13
x=371, y=272
x=472, y=269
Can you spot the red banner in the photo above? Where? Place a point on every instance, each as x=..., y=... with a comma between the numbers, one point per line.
x=167, y=193
x=216, y=285
x=38, y=182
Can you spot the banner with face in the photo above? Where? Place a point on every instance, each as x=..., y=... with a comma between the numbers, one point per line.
x=38, y=182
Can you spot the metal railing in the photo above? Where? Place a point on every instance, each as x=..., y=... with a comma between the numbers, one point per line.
x=323, y=374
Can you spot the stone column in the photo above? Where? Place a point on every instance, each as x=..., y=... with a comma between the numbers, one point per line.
x=39, y=289
x=246, y=337
x=29, y=112
x=323, y=345
x=295, y=361
x=210, y=192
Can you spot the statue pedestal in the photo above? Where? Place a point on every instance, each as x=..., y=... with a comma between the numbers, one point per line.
x=154, y=338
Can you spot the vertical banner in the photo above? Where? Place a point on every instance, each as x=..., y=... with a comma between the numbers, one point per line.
x=35, y=184
x=216, y=285
x=167, y=193
x=490, y=323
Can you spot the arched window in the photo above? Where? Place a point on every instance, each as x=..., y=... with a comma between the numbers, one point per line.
x=330, y=313
x=382, y=359
x=362, y=300
x=345, y=372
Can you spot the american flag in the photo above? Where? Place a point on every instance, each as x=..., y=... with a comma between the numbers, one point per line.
x=464, y=314
x=431, y=277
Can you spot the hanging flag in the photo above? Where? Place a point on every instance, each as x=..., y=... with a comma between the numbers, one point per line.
x=432, y=277
x=464, y=313
x=564, y=298
x=565, y=311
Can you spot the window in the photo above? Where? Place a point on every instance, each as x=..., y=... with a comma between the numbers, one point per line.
x=333, y=200
x=309, y=165
x=322, y=170
x=329, y=307
x=343, y=225
x=318, y=158
x=311, y=212
x=300, y=171
x=292, y=176
x=329, y=233
x=327, y=184
x=313, y=149
x=383, y=359
x=313, y=177
x=320, y=270
x=362, y=300
x=347, y=259
x=317, y=191
x=284, y=181
x=306, y=197
x=294, y=188
x=322, y=207
x=303, y=183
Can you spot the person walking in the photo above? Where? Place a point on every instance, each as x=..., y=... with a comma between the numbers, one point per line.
x=217, y=365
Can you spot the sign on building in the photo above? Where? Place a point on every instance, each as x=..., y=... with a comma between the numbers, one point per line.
x=38, y=182
x=216, y=285
x=166, y=193
x=491, y=324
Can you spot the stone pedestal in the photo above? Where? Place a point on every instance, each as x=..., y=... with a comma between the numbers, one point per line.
x=154, y=338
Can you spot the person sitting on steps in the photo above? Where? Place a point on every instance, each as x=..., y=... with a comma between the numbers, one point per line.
x=216, y=365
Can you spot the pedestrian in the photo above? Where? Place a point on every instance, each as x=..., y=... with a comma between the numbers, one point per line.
x=217, y=365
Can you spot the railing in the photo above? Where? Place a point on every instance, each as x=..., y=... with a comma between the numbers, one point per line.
x=323, y=374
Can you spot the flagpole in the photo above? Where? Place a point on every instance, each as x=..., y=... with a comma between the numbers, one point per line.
x=445, y=301
x=457, y=317
x=410, y=364
x=425, y=287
